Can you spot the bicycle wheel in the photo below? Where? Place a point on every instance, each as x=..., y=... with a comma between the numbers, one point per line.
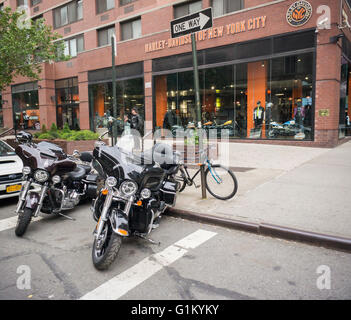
x=221, y=182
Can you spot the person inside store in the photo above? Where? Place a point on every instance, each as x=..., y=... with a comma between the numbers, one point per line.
x=170, y=119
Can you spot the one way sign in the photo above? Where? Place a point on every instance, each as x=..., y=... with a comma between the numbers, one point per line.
x=192, y=23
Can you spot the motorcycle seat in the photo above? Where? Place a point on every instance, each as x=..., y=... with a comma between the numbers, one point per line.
x=77, y=174
x=85, y=167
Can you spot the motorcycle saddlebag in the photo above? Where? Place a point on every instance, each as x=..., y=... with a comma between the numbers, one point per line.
x=168, y=191
x=91, y=181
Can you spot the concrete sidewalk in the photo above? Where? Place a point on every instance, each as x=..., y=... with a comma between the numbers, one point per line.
x=308, y=189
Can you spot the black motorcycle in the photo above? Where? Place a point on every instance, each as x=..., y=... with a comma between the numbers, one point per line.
x=53, y=182
x=136, y=192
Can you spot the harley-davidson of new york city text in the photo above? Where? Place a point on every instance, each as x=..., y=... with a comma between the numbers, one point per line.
x=131, y=200
x=53, y=181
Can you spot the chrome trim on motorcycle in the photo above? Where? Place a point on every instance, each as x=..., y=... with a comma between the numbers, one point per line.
x=103, y=217
x=22, y=196
x=41, y=199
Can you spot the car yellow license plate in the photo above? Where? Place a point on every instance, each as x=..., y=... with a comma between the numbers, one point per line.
x=14, y=188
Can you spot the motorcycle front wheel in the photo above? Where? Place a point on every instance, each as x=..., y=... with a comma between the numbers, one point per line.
x=221, y=182
x=105, y=249
x=23, y=221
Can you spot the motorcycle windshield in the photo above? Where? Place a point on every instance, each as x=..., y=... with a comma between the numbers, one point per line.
x=36, y=158
x=122, y=164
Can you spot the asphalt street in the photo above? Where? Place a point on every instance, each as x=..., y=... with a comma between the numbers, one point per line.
x=193, y=261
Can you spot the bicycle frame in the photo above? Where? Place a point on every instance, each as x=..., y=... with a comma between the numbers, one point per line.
x=190, y=180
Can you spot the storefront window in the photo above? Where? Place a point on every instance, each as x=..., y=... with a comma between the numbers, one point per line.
x=25, y=103
x=345, y=100
x=130, y=94
x=290, y=92
x=67, y=103
x=265, y=99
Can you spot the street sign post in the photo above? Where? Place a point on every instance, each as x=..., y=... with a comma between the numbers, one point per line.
x=189, y=25
x=114, y=93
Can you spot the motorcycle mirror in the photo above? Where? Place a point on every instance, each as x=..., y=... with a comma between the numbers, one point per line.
x=76, y=154
x=103, y=135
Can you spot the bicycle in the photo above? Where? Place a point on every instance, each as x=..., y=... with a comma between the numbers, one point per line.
x=218, y=179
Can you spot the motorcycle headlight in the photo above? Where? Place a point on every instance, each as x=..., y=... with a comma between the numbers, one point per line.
x=128, y=188
x=111, y=182
x=56, y=179
x=26, y=170
x=145, y=193
x=41, y=175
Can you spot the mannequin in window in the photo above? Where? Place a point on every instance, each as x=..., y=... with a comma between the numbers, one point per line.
x=25, y=120
x=268, y=116
x=299, y=114
x=258, y=115
x=308, y=116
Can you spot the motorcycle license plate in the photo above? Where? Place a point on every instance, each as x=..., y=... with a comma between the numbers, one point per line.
x=14, y=188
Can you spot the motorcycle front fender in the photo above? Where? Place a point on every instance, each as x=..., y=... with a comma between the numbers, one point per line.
x=32, y=200
x=121, y=224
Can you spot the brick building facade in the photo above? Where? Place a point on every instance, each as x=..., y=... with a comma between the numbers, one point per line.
x=251, y=57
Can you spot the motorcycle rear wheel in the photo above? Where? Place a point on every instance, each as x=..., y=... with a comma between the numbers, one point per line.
x=110, y=248
x=23, y=221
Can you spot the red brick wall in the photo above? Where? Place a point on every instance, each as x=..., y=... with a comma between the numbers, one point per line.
x=155, y=27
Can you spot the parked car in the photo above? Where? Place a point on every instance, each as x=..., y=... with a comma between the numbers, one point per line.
x=10, y=171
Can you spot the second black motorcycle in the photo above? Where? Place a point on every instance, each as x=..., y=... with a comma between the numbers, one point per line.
x=135, y=194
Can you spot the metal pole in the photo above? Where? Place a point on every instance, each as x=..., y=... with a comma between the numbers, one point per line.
x=196, y=81
x=114, y=93
x=198, y=111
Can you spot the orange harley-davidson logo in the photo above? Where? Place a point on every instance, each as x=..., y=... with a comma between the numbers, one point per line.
x=299, y=13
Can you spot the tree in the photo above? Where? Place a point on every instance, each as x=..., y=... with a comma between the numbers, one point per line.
x=25, y=45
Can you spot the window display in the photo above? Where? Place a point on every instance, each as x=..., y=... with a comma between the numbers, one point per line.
x=269, y=99
x=130, y=94
x=67, y=103
x=25, y=103
x=345, y=100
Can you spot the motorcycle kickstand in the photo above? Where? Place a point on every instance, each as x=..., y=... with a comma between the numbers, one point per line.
x=139, y=235
x=67, y=217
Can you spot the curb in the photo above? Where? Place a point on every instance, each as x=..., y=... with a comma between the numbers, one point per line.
x=266, y=229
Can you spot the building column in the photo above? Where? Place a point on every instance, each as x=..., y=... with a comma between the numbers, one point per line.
x=327, y=99
x=46, y=95
x=7, y=108
x=148, y=95
x=84, y=118
x=47, y=105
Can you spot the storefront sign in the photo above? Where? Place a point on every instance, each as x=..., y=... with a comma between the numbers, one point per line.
x=299, y=13
x=212, y=33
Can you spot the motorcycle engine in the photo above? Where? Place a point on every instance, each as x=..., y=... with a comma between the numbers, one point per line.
x=71, y=200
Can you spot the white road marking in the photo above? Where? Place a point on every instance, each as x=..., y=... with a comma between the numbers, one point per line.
x=131, y=278
x=10, y=223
